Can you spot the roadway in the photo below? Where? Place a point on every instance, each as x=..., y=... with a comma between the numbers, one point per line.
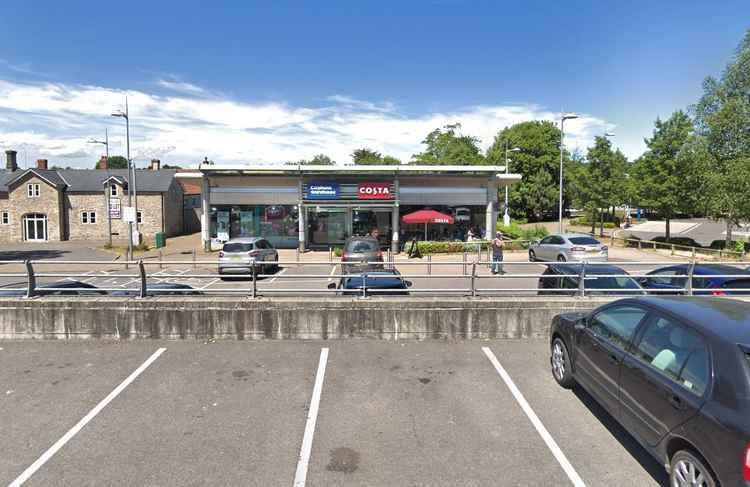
x=237, y=413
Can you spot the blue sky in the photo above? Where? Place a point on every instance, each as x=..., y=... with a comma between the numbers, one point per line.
x=272, y=81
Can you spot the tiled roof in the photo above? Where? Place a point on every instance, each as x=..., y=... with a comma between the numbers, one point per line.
x=91, y=180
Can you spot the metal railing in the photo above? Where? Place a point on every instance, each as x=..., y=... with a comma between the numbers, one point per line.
x=463, y=278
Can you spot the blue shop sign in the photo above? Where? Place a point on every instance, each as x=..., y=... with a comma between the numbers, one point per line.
x=322, y=191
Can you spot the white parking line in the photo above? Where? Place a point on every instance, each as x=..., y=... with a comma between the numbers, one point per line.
x=209, y=283
x=551, y=444
x=312, y=417
x=333, y=271
x=277, y=275
x=84, y=421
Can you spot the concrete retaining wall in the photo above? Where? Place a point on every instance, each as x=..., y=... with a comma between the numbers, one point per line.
x=298, y=318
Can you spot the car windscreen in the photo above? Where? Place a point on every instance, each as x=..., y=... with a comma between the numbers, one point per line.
x=584, y=241
x=362, y=246
x=378, y=282
x=237, y=247
x=737, y=284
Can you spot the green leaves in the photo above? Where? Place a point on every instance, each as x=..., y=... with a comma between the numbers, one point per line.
x=447, y=147
x=370, y=157
x=115, y=162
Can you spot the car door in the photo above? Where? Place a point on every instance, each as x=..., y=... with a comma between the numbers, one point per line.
x=543, y=249
x=600, y=348
x=664, y=378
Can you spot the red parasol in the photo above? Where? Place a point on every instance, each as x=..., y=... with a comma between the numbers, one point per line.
x=427, y=216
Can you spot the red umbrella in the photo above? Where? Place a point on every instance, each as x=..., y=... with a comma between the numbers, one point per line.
x=427, y=216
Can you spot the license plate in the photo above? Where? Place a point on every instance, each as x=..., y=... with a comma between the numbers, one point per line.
x=236, y=257
x=593, y=250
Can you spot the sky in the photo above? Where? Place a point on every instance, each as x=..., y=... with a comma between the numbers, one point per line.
x=269, y=82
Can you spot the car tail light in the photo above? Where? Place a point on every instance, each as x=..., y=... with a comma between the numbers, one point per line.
x=380, y=255
x=578, y=249
x=746, y=463
x=344, y=258
x=717, y=292
x=221, y=254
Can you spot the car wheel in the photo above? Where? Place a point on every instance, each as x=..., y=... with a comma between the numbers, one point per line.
x=686, y=469
x=561, y=258
x=560, y=362
x=532, y=256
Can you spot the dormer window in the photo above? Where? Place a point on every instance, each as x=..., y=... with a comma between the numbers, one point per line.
x=113, y=189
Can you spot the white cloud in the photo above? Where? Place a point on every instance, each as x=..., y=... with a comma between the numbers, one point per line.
x=55, y=120
x=175, y=84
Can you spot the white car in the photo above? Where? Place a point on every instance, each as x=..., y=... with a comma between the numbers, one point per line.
x=240, y=254
x=575, y=247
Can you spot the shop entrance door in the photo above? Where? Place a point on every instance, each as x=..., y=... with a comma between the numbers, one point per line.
x=367, y=221
x=327, y=226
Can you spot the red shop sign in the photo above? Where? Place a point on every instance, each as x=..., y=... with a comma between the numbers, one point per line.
x=374, y=191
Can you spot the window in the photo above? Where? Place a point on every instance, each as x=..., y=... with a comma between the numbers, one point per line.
x=32, y=190
x=113, y=189
x=676, y=352
x=668, y=277
x=138, y=217
x=5, y=218
x=88, y=217
x=584, y=241
x=547, y=240
x=617, y=324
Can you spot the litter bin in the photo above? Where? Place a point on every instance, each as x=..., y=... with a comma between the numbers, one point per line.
x=161, y=240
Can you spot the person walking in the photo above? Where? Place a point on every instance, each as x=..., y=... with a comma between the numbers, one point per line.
x=497, y=253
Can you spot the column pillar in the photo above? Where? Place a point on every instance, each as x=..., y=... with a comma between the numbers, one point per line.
x=301, y=218
x=491, y=214
x=395, y=218
x=205, y=217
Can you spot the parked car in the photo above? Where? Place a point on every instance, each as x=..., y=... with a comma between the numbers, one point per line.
x=240, y=254
x=358, y=252
x=379, y=283
x=674, y=372
x=673, y=280
x=162, y=289
x=598, y=281
x=569, y=247
x=61, y=288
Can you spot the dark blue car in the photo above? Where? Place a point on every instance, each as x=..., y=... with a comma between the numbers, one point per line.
x=706, y=280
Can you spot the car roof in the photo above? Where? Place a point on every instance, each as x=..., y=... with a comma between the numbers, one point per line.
x=358, y=275
x=724, y=318
x=707, y=269
x=591, y=269
x=568, y=235
x=366, y=237
x=243, y=240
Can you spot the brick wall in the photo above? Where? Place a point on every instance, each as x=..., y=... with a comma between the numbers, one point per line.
x=19, y=204
x=148, y=204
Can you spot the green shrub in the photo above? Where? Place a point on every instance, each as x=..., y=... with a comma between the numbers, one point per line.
x=338, y=251
x=735, y=246
x=684, y=241
x=537, y=232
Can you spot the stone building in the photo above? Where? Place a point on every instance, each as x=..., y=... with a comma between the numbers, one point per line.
x=41, y=204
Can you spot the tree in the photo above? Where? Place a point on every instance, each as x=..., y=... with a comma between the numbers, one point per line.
x=370, y=157
x=538, y=162
x=446, y=146
x=723, y=118
x=171, y=166
x=662, y=174
x=322, y=160
x=604, y=180
x=114, y=162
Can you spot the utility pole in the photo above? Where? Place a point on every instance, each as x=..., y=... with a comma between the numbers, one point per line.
x=107, y=195
x=563, y=118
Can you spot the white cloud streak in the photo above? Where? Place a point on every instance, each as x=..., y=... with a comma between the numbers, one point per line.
x=55, y=120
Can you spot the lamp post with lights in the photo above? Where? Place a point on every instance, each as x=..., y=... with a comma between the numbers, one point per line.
x=107, y=197
x=132, y=192
x=506, y=216
x=563, y=118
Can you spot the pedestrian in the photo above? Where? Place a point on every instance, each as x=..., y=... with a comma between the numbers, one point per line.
x=497, y=253
x=470, y=235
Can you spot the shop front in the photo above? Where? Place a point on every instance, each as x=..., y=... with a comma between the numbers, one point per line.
x=318, y=207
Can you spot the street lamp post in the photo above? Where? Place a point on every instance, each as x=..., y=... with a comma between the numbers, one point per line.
x=131, y=177
x=506, y=216
x=107, y=197
x=563, y=118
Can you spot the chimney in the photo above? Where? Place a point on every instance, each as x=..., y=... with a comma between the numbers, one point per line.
x=10, y=160
x=155, y=164
x=103, y=163
x=41, y=164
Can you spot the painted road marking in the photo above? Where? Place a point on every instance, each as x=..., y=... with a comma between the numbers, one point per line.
x=551, y=444
x=209, y=283
x=312, y=417
x=79, y=426
x=333, y=271
x=277, y=275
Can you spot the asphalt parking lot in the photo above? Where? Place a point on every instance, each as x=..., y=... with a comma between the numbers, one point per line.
x=240, y=413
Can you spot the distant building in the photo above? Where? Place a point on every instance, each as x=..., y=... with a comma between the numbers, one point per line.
x=191, y=184
x=41, y=204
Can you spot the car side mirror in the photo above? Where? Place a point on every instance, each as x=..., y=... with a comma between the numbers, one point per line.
x=408, y=283
x=332, y=285
x=580, y=324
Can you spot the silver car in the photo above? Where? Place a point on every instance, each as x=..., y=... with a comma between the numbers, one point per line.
x=240, y=254
x=576, y=247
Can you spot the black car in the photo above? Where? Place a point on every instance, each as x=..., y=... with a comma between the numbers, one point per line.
x=673, y=280
x=378, y=283
x=674, y=372
x=59, y=288
x=162, y=289
x=600, y=279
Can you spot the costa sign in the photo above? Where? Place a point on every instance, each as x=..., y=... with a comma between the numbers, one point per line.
x=374, y=191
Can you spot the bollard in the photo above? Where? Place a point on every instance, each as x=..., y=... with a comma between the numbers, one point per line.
x=194, y=263
x=429, y=265
x=296, y=255
x=160, y=264
x=693, y=253
x=30, y=280
x=640, y=245
x=255, y=281
x=364, y=285
x=464, y=262
x=142, y=272
x=672, y=250
x=330, y=254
